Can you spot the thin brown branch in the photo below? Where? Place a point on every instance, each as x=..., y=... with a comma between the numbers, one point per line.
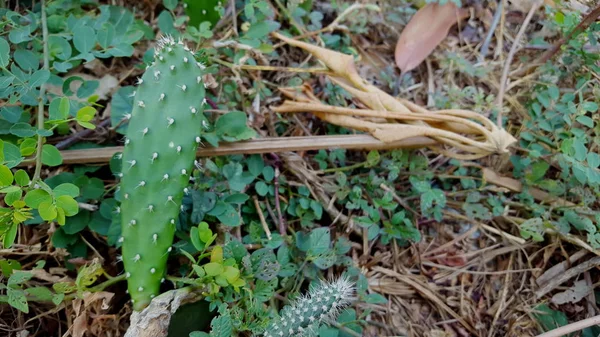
x=257, y=146
x=582, y=26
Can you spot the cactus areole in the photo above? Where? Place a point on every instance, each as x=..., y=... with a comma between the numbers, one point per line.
x=160, y=148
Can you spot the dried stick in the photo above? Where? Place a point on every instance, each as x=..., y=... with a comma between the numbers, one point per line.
x=511, y=55
x=76, y=137
x=488, y=38
x=262, y=145
x=40, y=114
x=569, y=328
x=583, y=267
x=261, y=216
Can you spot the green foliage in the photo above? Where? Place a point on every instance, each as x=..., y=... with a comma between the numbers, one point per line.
x=560, y=134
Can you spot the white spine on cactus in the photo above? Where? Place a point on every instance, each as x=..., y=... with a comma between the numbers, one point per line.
x=322, y=304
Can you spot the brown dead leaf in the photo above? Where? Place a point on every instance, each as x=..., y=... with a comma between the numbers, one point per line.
x=104, y=296
x=424, y=32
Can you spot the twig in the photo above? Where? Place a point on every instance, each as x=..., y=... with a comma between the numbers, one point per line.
x=261, y=216
x=76, y=137
x=569, y=328
x=580, y=268
x=486, y=43
x=582, y=26
x=511, y=54
x=40, y=116
x=261, y=145
x=271, y=68
x=503, y=297
x=282, y=224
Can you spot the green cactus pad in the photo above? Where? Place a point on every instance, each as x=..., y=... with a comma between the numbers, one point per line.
x=159, y=153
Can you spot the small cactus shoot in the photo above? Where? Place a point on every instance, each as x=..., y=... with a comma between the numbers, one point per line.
x=322, y=304
x=159, y=153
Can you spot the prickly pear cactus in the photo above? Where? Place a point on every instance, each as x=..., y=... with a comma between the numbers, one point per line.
x=159, y=153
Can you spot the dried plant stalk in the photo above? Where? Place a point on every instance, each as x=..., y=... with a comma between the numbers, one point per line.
x=460, y=134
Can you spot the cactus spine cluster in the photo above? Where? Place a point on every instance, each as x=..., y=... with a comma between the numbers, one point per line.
x=322, y=304
x=159, y=153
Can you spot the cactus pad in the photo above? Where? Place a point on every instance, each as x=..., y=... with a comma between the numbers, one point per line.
x=160, y=148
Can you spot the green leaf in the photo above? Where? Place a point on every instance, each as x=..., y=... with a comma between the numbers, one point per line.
x=12, y=155
x=27, y=60
x=28, y=146
x=205, y=233
x=170, y=4
x=261, y=188
x=319, y=241
x=255, y=164
x=237, y=198
x=5, y=81
x=51, y=155
x=166, y=23
x=87, y=125
x=11, y=113
x=268, y=173
x=593, y=160
x=4, y=53
x=34, y=198
x=19, y=277
x=232, y=124
x=92, y=188
x=121, y=104
x=6, y=176
x=77, y=223
x=213, y=269
x=121, y=50
x=59, y=108
x=40, y=293
x=13, y=196
x=375, y=299
x=8, y=266
x=86, y=114
x=10, y=236
x=68, y=204
x=533, y=228
x=589, y=106
x=195, y=237
x=38, y=78
x=9, y=189
x=47, y=210
x=66, y=189
x=231, y=274
x=84, y=39
x=106, y=35
x=221, y=326
x=549, y=319
x=585, y=120
x=17, y=299
x=59, y=47
x=22, y=130
x=230, y=217
x=58, y=298
x=373, y=158
x=261, y=29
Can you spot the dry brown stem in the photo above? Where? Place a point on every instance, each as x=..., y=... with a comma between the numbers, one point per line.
x=460, y=134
